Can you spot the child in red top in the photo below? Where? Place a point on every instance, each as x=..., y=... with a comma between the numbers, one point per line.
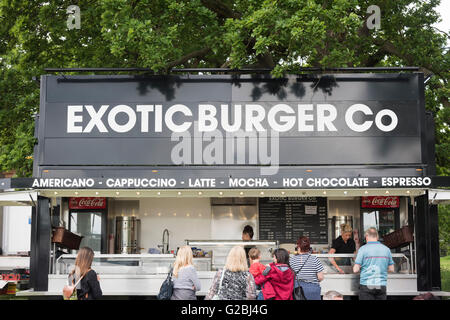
x=255, y=266
x=279, y=276
x=256, y=269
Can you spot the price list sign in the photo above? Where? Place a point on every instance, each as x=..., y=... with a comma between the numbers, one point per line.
x=287, y=218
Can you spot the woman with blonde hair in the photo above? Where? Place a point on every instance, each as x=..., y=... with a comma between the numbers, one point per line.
x=234, y=281
x=185, y=280
x=343, y=244
x=88, y=287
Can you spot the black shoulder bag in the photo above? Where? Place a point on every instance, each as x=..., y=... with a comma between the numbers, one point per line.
x=298, y=293
x=165, y=293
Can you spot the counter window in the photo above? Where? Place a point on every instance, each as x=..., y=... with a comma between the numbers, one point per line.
x=88, y=225
x=384, y=220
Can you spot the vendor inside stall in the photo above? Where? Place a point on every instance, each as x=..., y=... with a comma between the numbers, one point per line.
x=343, y=244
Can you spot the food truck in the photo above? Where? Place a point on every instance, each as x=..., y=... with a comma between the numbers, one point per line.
x=136, y=166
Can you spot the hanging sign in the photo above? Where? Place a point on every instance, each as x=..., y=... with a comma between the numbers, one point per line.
x=87, y=203
x=380, y=202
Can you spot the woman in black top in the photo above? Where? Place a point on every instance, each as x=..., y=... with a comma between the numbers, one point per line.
x=89, y=286
x=343, y=244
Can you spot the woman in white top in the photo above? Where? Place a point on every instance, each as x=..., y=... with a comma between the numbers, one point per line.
x=185, y=280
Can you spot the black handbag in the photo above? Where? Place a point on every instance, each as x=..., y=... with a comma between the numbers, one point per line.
x=166, y=290
x=298, y=293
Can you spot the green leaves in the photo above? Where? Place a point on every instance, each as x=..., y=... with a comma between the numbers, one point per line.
x=444, y=228
x=160, y=34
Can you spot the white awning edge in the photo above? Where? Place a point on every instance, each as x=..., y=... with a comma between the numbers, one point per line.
x=439, y=196
x=18, y=198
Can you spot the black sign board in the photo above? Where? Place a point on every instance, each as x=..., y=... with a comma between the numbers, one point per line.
x=287, y=218
x=108, y=124
x=198, y=179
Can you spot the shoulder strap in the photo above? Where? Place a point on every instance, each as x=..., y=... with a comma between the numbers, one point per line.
x=78, y=280
x=302, y=265
x=221, y=279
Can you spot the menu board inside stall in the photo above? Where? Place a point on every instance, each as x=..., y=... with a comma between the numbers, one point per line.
x=287, y=218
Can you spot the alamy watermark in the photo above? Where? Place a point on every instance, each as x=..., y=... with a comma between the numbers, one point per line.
x=260, y=148
x=74, y=17
x=374, y=20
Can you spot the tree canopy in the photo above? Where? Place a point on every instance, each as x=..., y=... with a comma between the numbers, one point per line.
x=282, y=35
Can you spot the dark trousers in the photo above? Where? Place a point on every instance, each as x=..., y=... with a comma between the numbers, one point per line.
x=372, y=293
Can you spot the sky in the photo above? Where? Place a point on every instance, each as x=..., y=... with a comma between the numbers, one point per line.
x=444, y=10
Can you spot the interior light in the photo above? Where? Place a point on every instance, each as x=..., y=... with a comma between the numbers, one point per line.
x=387, y=191
x=179, y=193
x=117, y=192
x=138, y=193
x=407, y=191
x=200, y=193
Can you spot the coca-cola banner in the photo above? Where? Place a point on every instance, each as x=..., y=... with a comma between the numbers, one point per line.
x=380, y=202
x=87, y=203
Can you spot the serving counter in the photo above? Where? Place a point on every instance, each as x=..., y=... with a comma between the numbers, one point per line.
x=219, y=249
x=142, y=275
x=129, y=264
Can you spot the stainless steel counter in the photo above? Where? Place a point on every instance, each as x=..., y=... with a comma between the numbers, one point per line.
x=145, y=264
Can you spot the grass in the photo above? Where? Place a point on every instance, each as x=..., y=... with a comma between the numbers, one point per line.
x=445, y=273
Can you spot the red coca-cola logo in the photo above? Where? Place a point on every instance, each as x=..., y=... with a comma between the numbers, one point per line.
x=380, y=202
x=87, y=203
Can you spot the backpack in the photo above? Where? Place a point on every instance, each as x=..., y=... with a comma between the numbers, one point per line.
x=166, y=290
